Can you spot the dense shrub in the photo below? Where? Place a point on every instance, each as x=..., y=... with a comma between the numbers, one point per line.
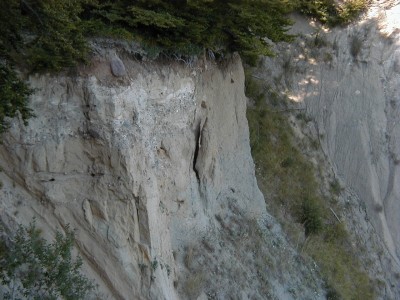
x=42, y=34
x=14, y=95
x=30, y=268
x=333, y=12
x=188, y=27
x=311, y=216
x=50, y=35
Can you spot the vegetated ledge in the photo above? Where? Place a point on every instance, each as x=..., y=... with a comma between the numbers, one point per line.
x=293, y=196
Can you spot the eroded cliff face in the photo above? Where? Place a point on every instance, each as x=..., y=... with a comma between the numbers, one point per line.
x=153, y=169
x=347, y=80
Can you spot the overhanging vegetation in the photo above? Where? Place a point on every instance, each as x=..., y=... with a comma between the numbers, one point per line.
x=51, y=35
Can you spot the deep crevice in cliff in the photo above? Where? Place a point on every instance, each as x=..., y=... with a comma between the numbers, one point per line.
x=196, y=151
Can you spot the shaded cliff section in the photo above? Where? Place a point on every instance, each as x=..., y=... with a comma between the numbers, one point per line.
x=150, y=163
x=344, y=83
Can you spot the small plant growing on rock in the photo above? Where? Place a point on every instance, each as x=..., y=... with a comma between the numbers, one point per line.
x=356, y=44
x=168, y=268
x=311, y=216
x=335, y=187
x=154, y=265
x=287, y=162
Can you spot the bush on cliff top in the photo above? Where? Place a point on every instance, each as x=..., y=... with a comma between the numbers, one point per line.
x=333, y=12
x=50, y=35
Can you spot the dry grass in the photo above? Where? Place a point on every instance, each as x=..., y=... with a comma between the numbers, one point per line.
x=194, y=285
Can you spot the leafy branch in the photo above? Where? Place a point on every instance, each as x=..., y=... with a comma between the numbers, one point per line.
x=31, y=268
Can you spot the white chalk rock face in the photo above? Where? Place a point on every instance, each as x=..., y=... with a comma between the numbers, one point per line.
x=153, y=169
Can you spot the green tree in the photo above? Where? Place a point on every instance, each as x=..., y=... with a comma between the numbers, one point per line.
x=333, y=12
x=30, y=268
x=14, y=94
x=42, y=34
x=51, y=35
x=57, y=40
x=188, y=27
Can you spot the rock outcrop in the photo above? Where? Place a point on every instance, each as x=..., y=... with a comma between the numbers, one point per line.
x=151, y=164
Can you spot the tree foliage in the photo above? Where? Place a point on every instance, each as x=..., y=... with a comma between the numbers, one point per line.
x=30, y=268
x=14, y=95
x=333, y=12
x=42, y=34
x=51, y=35
x=188, y=27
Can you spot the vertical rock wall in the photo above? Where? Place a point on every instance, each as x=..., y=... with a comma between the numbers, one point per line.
x=134, y=162
x=151, y=164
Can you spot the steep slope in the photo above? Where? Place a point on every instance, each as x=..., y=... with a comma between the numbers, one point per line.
x=150, y=163
x=346, y=80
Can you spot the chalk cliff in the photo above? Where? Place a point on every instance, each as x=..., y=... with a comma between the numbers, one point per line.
x=150, y=162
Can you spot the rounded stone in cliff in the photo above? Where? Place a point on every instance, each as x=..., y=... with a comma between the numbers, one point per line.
x=117, y=67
